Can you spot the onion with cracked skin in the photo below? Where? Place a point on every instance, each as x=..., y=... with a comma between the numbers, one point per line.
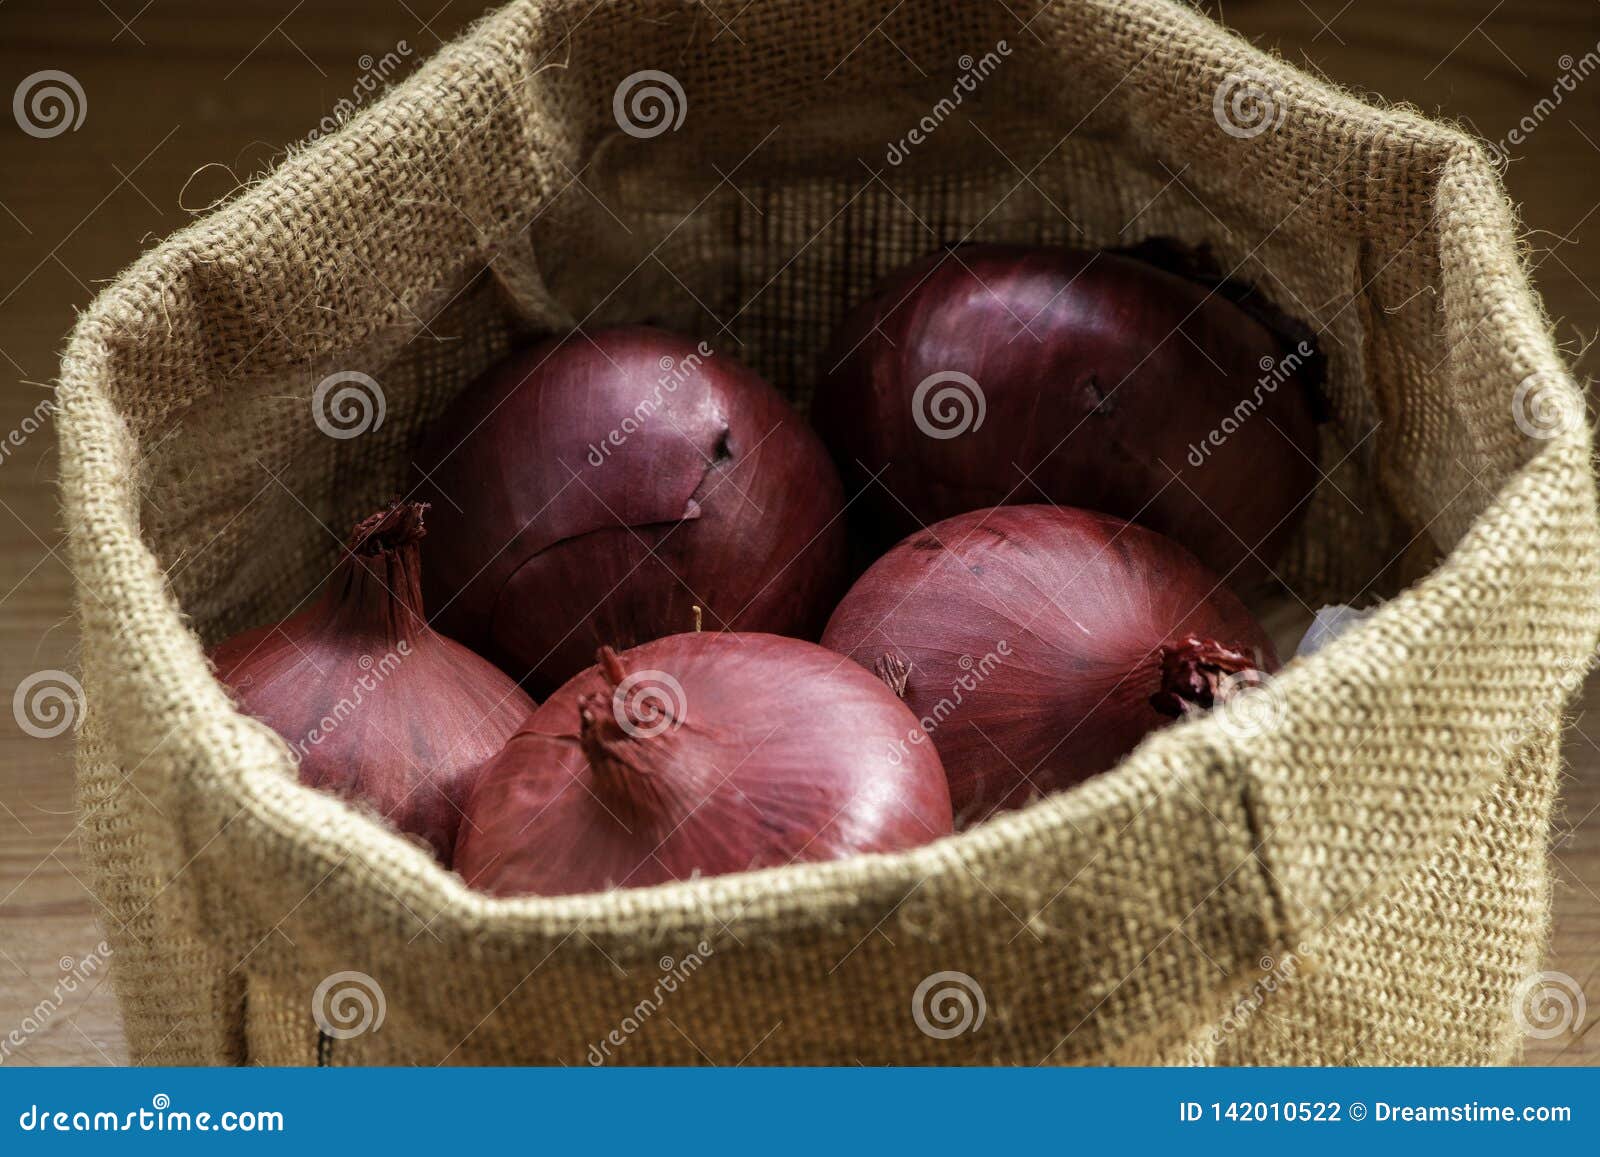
x=612, y=480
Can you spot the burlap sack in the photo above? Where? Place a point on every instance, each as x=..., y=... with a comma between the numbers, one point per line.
x=1357, y=874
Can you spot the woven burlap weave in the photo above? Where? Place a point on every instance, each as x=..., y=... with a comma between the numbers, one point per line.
x=1358, y=877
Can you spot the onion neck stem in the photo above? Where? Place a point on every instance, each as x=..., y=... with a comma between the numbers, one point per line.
x=379, y=588
x=1199, y=674
x=623, y=739
x=611, y=668
x=618, y=761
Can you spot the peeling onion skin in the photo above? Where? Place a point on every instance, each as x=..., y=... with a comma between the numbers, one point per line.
x=767, y=751
x=1098, y=372
x=1109, y=630
x=414, y=743
x=720, y=495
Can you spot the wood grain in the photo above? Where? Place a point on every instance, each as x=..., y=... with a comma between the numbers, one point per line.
x=181, y=89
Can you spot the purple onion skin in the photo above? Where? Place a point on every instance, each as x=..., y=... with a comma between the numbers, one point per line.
x=1035, y=638
x=381, y=709
x=753, y=751
x=587, y=525
x=1101, y=375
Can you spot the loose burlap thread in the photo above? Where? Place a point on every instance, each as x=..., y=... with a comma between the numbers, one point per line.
x=1359, y=877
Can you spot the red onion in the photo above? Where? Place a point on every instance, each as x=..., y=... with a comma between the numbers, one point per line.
x=615, y=479
x=700, y=754
x=377, y=706
x=1039, y=644
x=994, y=374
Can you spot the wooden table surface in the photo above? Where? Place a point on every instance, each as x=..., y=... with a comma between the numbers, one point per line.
x=187, y=97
